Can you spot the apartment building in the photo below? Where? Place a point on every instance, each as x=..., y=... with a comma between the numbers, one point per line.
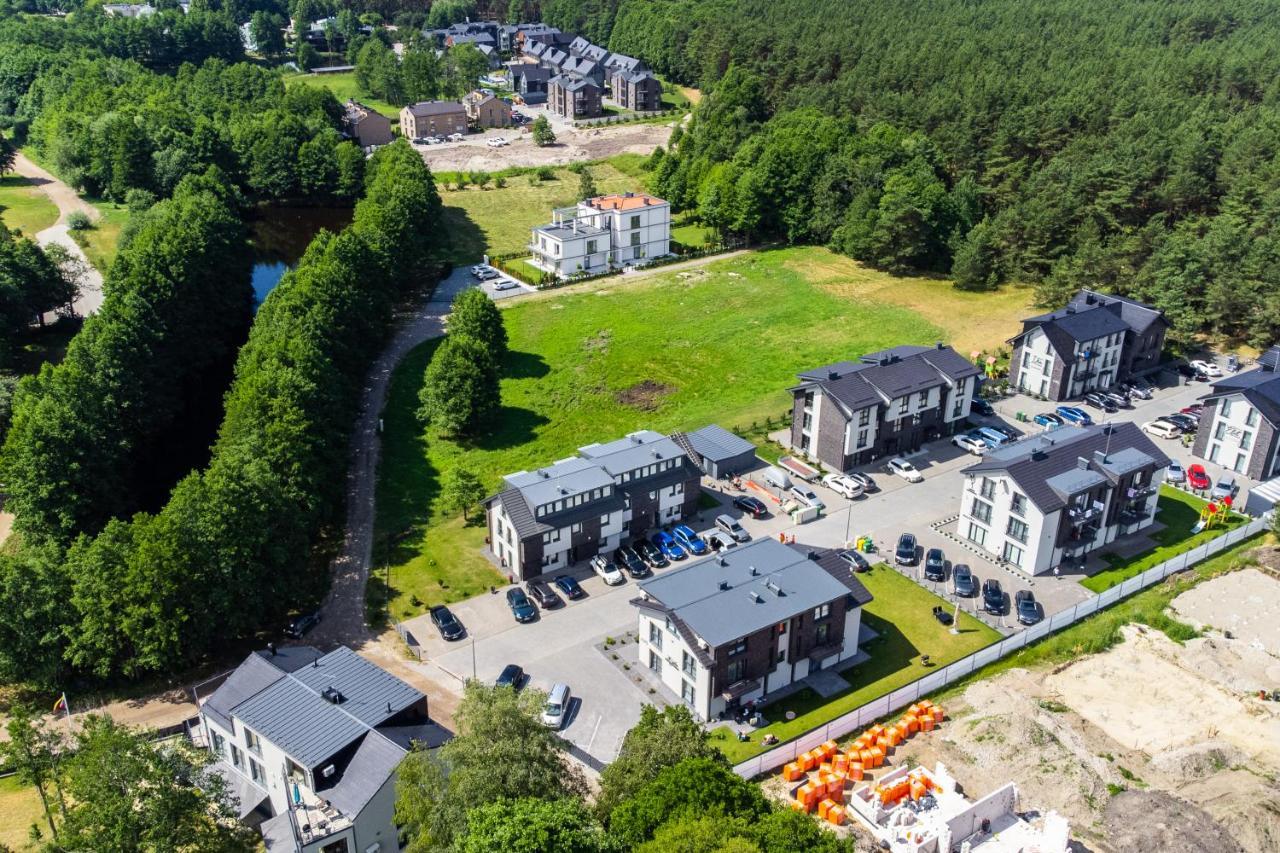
x=433, y=118
x=310, y=743
x=1240, y=424
x=572, y=97
x=366, y=126
x=602, y=233
x=748, y=622
x=546, y=520
x=1095, y=341
x=1051, y=499
x=485, y=110
x=886, y=403
x=636, y=90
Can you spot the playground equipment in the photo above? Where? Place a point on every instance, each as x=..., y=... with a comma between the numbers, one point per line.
x=1213, y=513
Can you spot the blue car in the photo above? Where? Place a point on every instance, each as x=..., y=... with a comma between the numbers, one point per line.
x=668, y=546
x=1048, y=419
x=1079, y=417
x=993, y=437
x=690, y=540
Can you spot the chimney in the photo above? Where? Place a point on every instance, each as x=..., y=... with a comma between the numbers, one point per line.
x=271, y=648
x=1082, y=463
x=724, y=585
x=940, y=345
x=833, y=375
x=811, y=554
x=388, y=706
x=755, y=596
x=1071, y=309
x=1100, y=457
x=754, y=572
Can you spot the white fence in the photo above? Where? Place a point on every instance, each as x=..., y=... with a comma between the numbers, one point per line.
x=904, y=696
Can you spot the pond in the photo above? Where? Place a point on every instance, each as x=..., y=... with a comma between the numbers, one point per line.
x=281, y=234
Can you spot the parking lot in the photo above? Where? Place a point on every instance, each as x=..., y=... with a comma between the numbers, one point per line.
x=561, y=645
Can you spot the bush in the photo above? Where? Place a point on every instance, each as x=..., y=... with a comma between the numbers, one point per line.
x=79, y=221
x=545, y=173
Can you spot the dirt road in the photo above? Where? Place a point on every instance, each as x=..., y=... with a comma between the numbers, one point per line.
x=67, y=202
x=588, y=143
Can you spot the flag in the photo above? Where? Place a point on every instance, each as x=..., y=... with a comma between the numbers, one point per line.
x=61, y=706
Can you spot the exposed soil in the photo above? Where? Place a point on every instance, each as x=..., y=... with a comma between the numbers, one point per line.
x=1154, y=820
x=645, y=396
x=571, y=146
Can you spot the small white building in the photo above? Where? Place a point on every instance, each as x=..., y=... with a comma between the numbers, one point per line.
x=1240, y=425
x=309, y=744
x=753, y=619
x=602, y=233
x=1052, y=498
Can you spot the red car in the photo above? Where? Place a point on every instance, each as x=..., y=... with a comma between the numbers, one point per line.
x=1197, y=478
x=1193, y=409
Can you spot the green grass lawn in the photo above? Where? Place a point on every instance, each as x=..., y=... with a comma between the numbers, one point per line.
x=344, y=87
x=19, y=808
x=1178, y=512
x=497, y=221
x=902, y=613
x=693, y=235
x=675, y=351
x=24, y=207
x=102, y=240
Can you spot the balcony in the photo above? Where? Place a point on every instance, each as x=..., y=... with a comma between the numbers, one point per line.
x=1139, y=493
x=1081, y=516
x=313, y=818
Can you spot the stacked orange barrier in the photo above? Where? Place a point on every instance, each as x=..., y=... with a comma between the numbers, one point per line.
x=927, y=723
x=792, y=772
x=824, y=808
x=877, y=756
x=840, y=763
x=807, y=795
x=835, y=815
x=808, y=761
x=830, y=747
x=855, y=771
x=938, y=714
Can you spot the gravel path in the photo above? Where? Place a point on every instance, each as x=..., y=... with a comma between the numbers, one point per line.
x=67, y=202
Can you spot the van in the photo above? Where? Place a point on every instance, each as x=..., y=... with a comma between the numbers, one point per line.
x=808, y=497
x=730, y=525
x=1161, y=429
x=776, y=477
x=557, y=706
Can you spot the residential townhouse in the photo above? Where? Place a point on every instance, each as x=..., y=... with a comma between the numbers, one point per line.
x=1092, y=343
x=582, y=68
x=544, y=521
x=636, y=90
x=529, y=81
x=574, y=97
x=1051, y=499
x=602, y=233
x=1240, y=424
x=433, y=118
x=310, y=743
x=485, y=110
x=366, y=126
x=887, y=403
x=751, y=620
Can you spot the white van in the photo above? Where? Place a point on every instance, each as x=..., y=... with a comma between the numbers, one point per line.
x=776, y=477
x=1161, y=429
x=557, y=706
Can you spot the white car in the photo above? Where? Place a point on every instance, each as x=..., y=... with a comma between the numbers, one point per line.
x=607, y=570
x=497, y=142
x=454, y=137
x=505, y=284
x=1208, y=368
x=1162, y=429
x=483, y=272
x=905, y=470
x=843, y=486
x=970, y=444
x=807, y=496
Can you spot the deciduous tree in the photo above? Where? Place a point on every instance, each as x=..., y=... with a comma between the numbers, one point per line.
x=659, y=740
x=460, y=393
x=543, y=135
x=476, y=316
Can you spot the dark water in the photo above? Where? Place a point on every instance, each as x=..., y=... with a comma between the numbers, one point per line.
x=281, y=234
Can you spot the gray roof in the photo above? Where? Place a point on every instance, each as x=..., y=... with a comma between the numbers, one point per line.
x=564, y=479
x=244, y=794
x=563, y=231
x=636, y=450
x=253, y=676
x=292, y=716
x=879, y=377
x=372, y=694
x=622, y=61
x=571, y=84
x=1086, y=318
x=640, y=76
x=1137, y=315
x=529, y=71
x=716, y=443
x=1051, y=467
x=1260, y=386
x=373, y=763
x=749, y=588
x=435, y=108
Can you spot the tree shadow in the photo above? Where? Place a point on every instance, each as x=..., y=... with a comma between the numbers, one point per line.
x=516, y=426
x=524, y=365
x=467, y=242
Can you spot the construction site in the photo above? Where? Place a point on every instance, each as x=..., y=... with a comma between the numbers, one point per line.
x=1150, y=745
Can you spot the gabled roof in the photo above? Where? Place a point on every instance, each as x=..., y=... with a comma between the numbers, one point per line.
x=374, y=762
x=1260, y=386
x=623, y=62
x=529, y=70
x=572, y=84
x=744, y=590
x=435, y=108
x=1137, y=315
x=309, y=729
x=1051, y=467
x=371, y=694
x=879, y=377
x=636, y=450
x=1091, y=315
x=716, y=443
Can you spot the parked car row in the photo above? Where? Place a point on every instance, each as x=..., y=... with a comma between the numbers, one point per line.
x=437, y=140
x=1173, y=425
x=963, y=582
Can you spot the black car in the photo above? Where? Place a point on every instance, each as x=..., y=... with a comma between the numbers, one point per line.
x=1025, y=604
x=992, y=597
x=1100, y=401
x=1008, y=432
x=1192, y=373
x=855, y=561
x=448, y=625
x=935, y=565
x=569, y=587
x=521, y=607
x=1186, y=423
x=512, y=676
x=963, y=582
x=627, y=557
x=542, y=594
x=905, y=555
x=300, y=626
x=651, y=554
x=982, y=407
x=753, y=507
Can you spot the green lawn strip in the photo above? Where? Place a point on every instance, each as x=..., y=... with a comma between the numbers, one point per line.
x=902, y=613
x=720, y=344
x=344, y=87
x=1178, y=512
x=519, y=266
x=19, y=808
x=24, y=207
x=693, y=235
x=497, y=221
x=102, y=240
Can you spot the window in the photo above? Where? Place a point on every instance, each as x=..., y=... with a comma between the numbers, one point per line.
x=1220, y=431
x=294, y=772
x=591, y=247
x=686, y=664
x=1017, y=529
x=977, y=535
x=738, y=648
x=737, y=669
x=808, y=399
x=1214, y=451
x=1242, y=459
x=655, y=635
x=981, y=511
x=781, y=629
x=1013, y=553
x=988, y=488
x=219, y=742
x=1251, y=419
x=807, y=423
x=822, y=611
x=635, y=238
x=863, y=437
x=922, y=399
x=687, y=692
x=604, y=519
x=782, y=655
x=671, y=627
x=252, y=742
x=635, y=221
x=1226, y=407
x=339, y=846
x=655, y=661
x=237, y=757
x=864, y=418
x=823, y=633
x=577, y=528
x=255, y=772
x=1246, y=440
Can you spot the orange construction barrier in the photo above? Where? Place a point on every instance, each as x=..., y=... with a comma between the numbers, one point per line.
x=927, y=724
x=868, y=760
x=913, y=723
x=877, y=756
x=806, y=792
x=938, y=714
x=808, y=761
x=855, y=771
x=918, y=789
x=925, y=704
x=902, y=731
x=884, y=743
x=914, y=709
x=792, y=772
x=835, y=815
x=830, y=747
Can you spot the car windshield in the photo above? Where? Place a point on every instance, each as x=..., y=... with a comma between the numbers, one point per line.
x=553, y=708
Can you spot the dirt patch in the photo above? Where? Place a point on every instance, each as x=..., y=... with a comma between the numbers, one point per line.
x=645, y=396
x=571, y=146
x=1244, y=603
x=1154, y=820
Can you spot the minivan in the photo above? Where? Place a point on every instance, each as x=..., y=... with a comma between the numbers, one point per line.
x=1161, y=429
x=557, y=706
x=730, y=525
x=807, y=496
x=776, y=477
x=992, y=437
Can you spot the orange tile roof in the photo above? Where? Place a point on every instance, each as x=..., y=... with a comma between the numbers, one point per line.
x=624, y=202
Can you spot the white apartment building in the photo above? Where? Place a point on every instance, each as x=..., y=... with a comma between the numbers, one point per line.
x=734, y=629
x=602, y=233
x=310, y=743
x=1240, y=424
x=1053, y=498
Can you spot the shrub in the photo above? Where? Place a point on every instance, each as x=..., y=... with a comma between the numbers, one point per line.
x=79, y=221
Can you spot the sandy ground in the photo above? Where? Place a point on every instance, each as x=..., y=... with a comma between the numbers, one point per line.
x=570, y=146
x=1245, y=604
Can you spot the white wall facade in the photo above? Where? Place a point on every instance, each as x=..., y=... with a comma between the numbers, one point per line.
x=611, y=238
x=1103, y=365
x=660, y=639
x=1035, y=368
x=859, y=435
x=957, y=398
x=1233, y=434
